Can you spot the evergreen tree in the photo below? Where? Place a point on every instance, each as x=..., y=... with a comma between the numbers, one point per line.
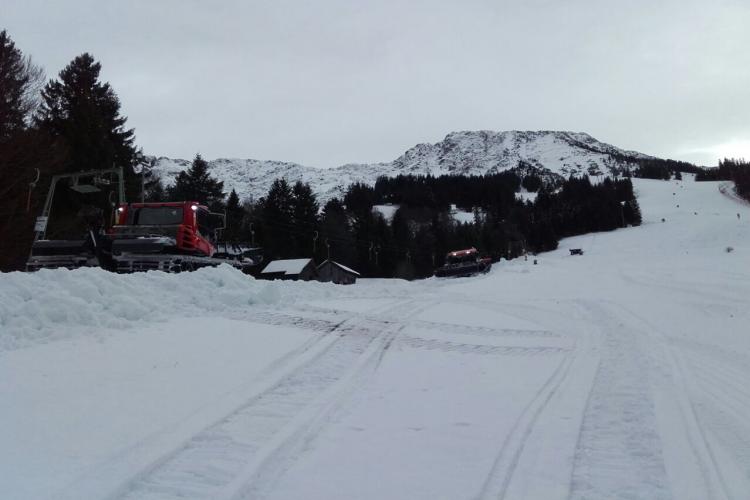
x=196, y=184
x=277, y=221
x=251, y=229
x=531, y=183
x=336, y=239
x=304, y=217
x=84, y=114
x=235, y=217
x=359, y=198
x=632, y=212
x=23, y=150
x=20, y=80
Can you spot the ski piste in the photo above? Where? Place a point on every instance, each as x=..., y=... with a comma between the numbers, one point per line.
x=618, y=373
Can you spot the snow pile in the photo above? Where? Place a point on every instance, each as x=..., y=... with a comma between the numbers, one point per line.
x=548, y=153
x=53, y=304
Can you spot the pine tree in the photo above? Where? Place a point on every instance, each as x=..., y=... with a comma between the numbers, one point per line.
x=359, y=198
x=196, y=184
x=85, y=114
x=22, y=151
x=277, y=221
x=235, y=217
x=531, y=183
x=20, y=80
x=305, y=218
x=632, y=212
x=336, y=237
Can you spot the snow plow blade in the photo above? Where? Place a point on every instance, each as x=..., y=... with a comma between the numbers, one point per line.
x=163, y=262
x=55, y=254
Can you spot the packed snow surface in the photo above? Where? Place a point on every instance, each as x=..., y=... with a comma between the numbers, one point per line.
x=619, y=374
x=546, y=153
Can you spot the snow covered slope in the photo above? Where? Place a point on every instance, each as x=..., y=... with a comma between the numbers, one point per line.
x=617, y=374
x=465, y=153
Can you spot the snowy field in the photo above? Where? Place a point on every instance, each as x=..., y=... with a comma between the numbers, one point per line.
x=622, y=373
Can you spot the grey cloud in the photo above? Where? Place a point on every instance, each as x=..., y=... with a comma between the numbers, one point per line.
x=331, y=82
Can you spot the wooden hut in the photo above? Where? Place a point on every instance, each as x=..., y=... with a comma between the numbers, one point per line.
x=337, y=273
x=290, y=269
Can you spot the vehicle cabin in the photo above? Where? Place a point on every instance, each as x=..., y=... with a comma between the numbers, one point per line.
x=332, y=271
x=462, y=256
x=290, y=269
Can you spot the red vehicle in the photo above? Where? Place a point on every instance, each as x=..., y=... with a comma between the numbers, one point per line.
x=168, y=236
x=104, y=231
x=463, y=263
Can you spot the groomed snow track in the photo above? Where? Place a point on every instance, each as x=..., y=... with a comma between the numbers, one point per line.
x=238, y=453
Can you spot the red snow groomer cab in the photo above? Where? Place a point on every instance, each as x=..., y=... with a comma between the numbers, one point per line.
x=463, y=263
x=92, y=226
x=168, y=236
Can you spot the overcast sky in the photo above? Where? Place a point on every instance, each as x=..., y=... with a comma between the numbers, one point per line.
x=329, y=82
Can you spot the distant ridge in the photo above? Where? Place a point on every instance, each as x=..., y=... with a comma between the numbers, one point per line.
x=546, y=153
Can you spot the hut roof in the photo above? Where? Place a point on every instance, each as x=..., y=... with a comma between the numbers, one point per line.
x=333, y=262
x=286, y=266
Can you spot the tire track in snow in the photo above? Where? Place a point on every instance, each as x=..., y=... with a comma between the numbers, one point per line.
x=508, y=350
x=219, y=461
x=484, y=330
x=258, y=478
x=619, y=451
x=499, y=477
x=316, y=324
x=683, y=388
x=721, y=406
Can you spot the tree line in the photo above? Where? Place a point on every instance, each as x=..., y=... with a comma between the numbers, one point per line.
x=657, y=168
x=730, y=169
x=74, y=122
x=289, y=223
x=66, y=124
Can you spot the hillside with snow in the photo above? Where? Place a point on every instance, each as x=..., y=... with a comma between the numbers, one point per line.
x=617, y=374
x=546, y=153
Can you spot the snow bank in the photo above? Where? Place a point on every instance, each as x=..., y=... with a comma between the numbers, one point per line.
x=55, y=304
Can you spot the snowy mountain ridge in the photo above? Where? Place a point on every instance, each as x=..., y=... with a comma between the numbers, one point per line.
x=548, y=153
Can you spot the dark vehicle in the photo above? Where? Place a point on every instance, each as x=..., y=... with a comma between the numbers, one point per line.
x=79, y=209
x=463, y=263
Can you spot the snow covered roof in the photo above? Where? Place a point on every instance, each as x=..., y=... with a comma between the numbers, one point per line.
x=287, y=266
x=348, y=270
